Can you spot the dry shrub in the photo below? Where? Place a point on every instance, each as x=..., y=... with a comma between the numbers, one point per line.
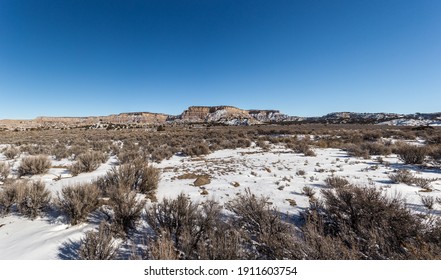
x=301, y=147
x=375, y=149
x=268, y=236
x=172, y=217
x=163, y=248
x=411, y=154
x=428, y=201
x=161, y=153
x=308, y=191
x=98, y=245
x=422, y=183
x=88, y=162
x=5, y=170
x=32, y=198
x=314, y=243
x=126, y=208
x=262, y=144
x=11, y=152
x=35, y=149
x=356, y=151
x=402, y=176
x=8, y=197
x=128, y=153
x=336, y=182
x=32, y=165
x=435, y=153
x=194, y=230
x=78, y=201
x=60, y=151
x=197, y=150
x=137, y=175
x=365, y=223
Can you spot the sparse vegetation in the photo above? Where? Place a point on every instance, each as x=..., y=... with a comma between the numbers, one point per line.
x=343, y=221
x=137, y=175
x=88, y=162
x=31, y=198
x=11, y=152
x=336, y=182
x=98, y=245
x=412, y=154
x=32, y=165
x=402, y=176
x=78, y=201
x=127, y=209
x=5, y=170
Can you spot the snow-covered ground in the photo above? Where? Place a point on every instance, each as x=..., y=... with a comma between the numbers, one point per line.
x=412, y=122
x=278, y=174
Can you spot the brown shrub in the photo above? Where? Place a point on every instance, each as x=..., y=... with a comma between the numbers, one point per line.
x=137, y=175
x=5, y=170
x=412, y=154
x=197, y=150
x=60, y=151
x=33, y=165
x=88, y=162
x=271, y=237
x=8, y=197
x=194, y=230
x=78, y=201
x=356, y=151
x=374, y=149
x=308, y=191
x=363, y=219
x=98, y=245
x=336, y=182
x=32, y=198
x=11, y=152
x=428, y=201
x=126, y=208
x=402, y=176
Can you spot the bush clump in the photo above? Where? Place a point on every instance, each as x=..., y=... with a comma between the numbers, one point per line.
x=11, y=152
x=402, y=176
x=78, y=201
x=361, y=223
x=126, y=208
x=187, y=230
x=412, y=154
x=32, y=165
x=32, y=198
x=5, y=170
x=336, y=182
x=98, y=245
x=8, y=197
x=88, y=162
x=137, y=175
x=266, y=232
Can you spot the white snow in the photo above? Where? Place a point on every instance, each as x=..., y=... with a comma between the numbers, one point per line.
x=273, y=173
x=412, y=122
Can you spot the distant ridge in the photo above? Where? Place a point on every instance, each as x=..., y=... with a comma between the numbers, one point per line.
x=223, y=115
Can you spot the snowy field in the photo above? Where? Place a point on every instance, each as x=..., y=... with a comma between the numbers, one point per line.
x=277, y=173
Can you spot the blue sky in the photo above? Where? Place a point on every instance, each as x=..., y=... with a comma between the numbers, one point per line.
x=304, y=57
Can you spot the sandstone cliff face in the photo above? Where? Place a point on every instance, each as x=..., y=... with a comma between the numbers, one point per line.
x=216, y=114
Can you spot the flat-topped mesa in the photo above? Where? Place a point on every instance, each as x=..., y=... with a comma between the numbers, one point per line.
x=209, y=113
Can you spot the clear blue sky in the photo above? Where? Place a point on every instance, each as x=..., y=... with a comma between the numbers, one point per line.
x=304, y=57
